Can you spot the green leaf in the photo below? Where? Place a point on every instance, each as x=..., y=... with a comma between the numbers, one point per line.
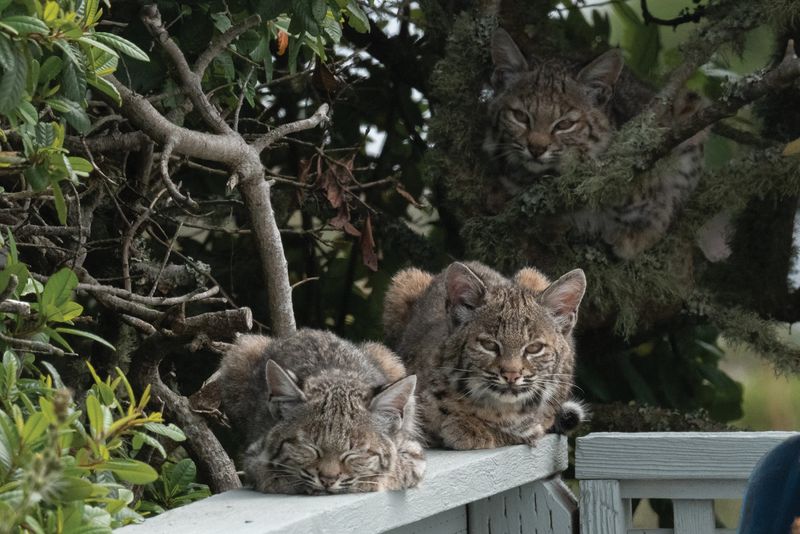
x=12, y=84
x=73, y=78
x=96, y=44
x=106, y=88
x=641, y=42
x=221, y=22
x=94, y=411
x=80, y=165
x=87, y=10
x=318, y=9
x=25, y=25
x=140, y=438
x=7, y=53
x=132, y=471
x=34, y=427
x=59, y=287
x=122, y=45
x=182, y=473
x=72, y=111
x=87, y=335
x=28, y=112
x=61, y=208
x=37, y=177
x=357, y=19
x=171, y=431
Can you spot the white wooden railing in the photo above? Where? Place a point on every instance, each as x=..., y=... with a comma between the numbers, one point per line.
x=509, y=491
x=690, y=468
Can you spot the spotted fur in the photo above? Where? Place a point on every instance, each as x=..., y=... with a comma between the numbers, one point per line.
x=495, y=358
x=541, y=109
x=322, y=415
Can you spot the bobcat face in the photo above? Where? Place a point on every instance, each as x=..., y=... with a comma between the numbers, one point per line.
x=542, y=110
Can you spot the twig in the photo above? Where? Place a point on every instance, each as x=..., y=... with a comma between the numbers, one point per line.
x=38, y=347
x=174, y=192
x=221, y=42
x=126, y=245
x=319, y=117
x=241, y=100
x=686, y=17
x=166, y=259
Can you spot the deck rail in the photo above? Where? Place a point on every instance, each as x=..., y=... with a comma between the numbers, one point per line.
x=689, y=468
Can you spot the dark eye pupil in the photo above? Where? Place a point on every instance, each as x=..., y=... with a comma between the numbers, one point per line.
x=520, y=116
x=565, y=125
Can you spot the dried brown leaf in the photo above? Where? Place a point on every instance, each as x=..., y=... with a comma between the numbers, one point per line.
x=368, y=255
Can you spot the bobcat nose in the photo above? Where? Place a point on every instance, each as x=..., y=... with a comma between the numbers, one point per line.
x=327, y=480
x=537, y=150
x=512, y=377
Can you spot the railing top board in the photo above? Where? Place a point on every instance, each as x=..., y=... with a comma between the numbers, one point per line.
x=453, y=479
x=672, y=455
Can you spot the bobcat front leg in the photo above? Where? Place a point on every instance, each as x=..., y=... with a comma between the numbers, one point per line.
x=466, y=432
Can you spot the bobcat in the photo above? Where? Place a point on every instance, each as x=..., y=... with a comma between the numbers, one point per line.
x=494, y=356
x=543, y=108
x=322, y=415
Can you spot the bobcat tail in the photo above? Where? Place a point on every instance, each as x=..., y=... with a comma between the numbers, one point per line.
x=571, y=414
x=404, y=290
x=238, y=366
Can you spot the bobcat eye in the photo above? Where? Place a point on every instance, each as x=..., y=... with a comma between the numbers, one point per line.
x=488, y=344
x=534, y=348
x=519, y=116
x=564, y=125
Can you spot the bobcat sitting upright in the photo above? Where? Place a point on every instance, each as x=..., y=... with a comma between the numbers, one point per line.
x=494, y=357
x=543, y=108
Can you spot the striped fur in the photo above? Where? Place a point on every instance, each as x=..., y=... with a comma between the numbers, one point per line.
x=542, y=109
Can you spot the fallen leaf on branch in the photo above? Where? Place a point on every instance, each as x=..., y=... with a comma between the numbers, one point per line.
x=283, y=42
x=406, y=195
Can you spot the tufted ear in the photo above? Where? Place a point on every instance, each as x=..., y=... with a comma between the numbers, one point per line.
x=563, y=297
x=506, y=57
x=465, y=292
x=394, y=399
x=391, y=406
x=600, y=76
x=281, y=387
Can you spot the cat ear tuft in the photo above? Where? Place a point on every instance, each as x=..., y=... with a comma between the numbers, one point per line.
x=506, y=57
x=600, y=76
x=281, y=386
x=563, y=297
x=465, y=292
x=394, y=399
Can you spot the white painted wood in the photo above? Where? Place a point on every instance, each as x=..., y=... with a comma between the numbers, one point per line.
x=671, y=531
x=545, y=507
x=452, y=480
x=682, y=489
x=448, y=522
x=672, y=455
x=601, y=509
x=693, y=516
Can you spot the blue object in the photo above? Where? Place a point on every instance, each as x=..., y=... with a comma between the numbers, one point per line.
x=772, y=499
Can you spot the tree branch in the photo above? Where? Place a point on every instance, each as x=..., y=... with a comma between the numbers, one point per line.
x=221, y=42
x=190, y=81
x=738, y=95
x=319, y=117
x=174, y=192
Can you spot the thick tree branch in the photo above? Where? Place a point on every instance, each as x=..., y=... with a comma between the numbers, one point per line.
x=206, y=449
x=190, y=81
x=174, y=192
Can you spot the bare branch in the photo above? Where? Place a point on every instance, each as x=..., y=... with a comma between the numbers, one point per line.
x=738, y=95
x=11, y=286
x=190, y=81
x=221, y=42
x=38, y=347
x=319, y=117
x=674, y=22
x=174, y=192
x=15, y=306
